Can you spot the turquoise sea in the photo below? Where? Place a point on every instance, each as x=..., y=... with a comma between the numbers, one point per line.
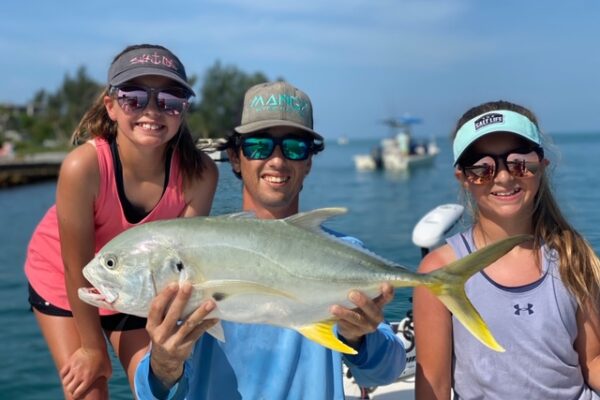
x=383, y=208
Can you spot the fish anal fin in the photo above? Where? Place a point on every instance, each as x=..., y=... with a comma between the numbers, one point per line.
x=322, y=333
x=217, y=332
x=221, y=289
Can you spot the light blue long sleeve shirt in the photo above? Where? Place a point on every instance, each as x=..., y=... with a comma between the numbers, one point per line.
x=267, y=362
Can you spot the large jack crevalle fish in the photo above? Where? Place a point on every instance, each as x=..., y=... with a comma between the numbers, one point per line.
x=285, y=272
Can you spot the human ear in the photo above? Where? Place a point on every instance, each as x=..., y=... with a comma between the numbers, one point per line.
x=234, y=160
x=460, y=177
x=109, y=104
x=308, y=166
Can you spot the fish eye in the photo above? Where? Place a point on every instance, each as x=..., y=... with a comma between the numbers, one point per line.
x=177, y=266
x=110, y=261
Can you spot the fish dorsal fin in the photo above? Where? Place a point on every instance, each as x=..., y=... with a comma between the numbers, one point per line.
x=312, y=220
x=322, y=333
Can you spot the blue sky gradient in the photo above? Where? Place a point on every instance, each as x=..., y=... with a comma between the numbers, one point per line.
x=359, y=61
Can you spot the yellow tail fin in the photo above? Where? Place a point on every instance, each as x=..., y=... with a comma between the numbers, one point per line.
x=322, y=333
x=447, y=284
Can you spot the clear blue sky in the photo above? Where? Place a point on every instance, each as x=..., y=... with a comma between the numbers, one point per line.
x=360, y=61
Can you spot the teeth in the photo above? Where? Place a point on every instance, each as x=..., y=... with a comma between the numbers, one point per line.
x=506, y=193
x=109, y=294
x=150, y=126
x=276, y=179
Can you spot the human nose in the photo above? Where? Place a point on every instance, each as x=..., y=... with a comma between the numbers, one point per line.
x=152, y=106
x=502, y=172
x=277, y=155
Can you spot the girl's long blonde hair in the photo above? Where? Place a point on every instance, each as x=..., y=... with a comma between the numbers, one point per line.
x=96, y=123
x=578, y=264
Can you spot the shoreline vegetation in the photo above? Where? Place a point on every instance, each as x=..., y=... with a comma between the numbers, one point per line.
x=32, y=135
x=34, y=138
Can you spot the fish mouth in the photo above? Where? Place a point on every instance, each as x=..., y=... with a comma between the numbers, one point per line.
x=103, y=296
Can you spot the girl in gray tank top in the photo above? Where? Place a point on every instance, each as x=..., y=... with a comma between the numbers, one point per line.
x=535, y=323
x=540, y=300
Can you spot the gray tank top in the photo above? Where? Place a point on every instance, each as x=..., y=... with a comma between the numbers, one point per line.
x=535, y=324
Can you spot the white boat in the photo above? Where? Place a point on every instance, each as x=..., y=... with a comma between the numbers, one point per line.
x=342, y=140
x=211, y=147
x=404, y=387
x=400, y=152
x=429, y=232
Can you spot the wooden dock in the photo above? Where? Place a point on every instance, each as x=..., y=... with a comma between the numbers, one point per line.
x=33, y=168
x=45, y=166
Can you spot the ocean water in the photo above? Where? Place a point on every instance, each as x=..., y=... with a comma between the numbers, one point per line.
x=383, y=208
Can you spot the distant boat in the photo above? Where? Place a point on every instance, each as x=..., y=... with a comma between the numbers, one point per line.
x=399, y=152
x=210, y=147
x=342, y=140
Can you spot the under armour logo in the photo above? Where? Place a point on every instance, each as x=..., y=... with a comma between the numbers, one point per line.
x=518, y=309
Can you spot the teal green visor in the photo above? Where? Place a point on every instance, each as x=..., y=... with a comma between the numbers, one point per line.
x=494, y=121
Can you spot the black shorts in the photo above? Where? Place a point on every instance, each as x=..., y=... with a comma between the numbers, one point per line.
x=115, y=322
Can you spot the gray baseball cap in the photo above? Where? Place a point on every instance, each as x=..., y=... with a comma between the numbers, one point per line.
x=147, y=60
x=272, y=104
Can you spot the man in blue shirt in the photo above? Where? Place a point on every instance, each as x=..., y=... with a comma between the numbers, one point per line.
x=271, y=151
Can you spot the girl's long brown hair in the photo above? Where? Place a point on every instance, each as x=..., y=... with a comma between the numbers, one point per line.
x=578, y=264
x=96, y=123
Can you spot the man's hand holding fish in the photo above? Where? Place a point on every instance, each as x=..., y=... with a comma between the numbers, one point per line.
x=354, y=324
x=172, y=338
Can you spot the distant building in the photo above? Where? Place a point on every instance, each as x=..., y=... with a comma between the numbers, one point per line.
x=11, y=135
x=16, y=109
x=10, y=112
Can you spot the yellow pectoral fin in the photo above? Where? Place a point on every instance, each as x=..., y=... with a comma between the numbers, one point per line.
x=322, y=333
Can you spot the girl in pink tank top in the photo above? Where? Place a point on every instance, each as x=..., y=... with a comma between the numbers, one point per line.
x=139, y=163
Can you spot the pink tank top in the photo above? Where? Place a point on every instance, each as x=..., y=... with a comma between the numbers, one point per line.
x=44, y=266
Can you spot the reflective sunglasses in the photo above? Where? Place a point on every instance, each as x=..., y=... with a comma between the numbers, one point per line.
x=522, y=162
x=134, y=99
x=261, y=146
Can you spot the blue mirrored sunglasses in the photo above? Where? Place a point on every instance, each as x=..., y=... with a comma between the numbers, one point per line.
x=262, y=146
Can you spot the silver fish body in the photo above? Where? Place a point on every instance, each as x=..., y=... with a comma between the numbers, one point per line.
x=285, y=272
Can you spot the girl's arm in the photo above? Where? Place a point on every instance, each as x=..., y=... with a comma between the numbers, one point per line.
x=76, y=190
x=587, y=344
x=199, y=195
x=433, y=334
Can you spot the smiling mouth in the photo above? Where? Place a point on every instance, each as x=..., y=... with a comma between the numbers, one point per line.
x=149, y=126
x=507, y=193
x=276, y=179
